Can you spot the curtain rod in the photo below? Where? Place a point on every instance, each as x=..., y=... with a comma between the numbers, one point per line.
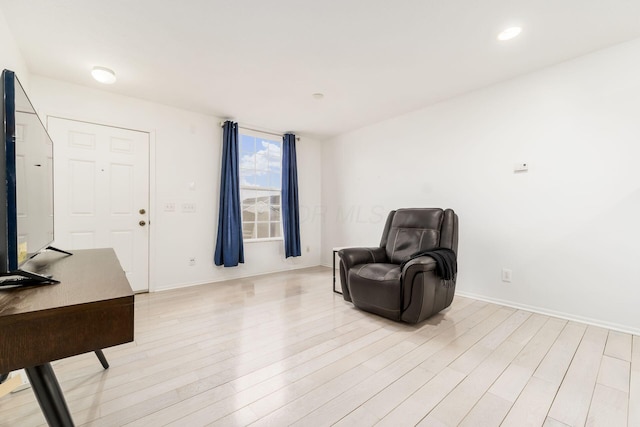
x=261, y=131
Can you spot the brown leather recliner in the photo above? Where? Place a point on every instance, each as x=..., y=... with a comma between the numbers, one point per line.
x=375, y=280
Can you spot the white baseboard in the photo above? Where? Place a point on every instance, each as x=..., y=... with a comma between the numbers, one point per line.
x=553, y=313
x=234, y=277
x=17, y=381
x=24, y=380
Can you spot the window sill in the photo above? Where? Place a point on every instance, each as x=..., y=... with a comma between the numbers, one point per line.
x=272, y=239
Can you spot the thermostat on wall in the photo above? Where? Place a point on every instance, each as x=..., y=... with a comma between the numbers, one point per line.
x=521, y=167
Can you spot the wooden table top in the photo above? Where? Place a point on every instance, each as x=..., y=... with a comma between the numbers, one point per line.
x=90, y=309
x=88, y=275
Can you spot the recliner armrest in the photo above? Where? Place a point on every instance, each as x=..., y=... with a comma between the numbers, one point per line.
x=423, y=292
x=423, y=263
x=355, y=256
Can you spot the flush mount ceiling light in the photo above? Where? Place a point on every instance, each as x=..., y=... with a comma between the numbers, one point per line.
x=103, y=75
x=509, y=33
x=318, y=96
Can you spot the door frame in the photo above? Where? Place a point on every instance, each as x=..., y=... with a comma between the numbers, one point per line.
x=152, y=177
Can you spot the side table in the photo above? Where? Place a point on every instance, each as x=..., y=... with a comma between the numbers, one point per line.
x=335, y=251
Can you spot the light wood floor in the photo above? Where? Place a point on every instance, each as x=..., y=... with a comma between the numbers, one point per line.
x=283, y=349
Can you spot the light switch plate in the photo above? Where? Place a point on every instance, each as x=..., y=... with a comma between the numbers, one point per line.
x=189, y=207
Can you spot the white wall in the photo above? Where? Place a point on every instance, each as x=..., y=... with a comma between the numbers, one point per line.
x=186, y=147
x=569, y=228
x=10, y=56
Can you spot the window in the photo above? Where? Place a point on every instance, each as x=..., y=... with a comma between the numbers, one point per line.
x=260, y=185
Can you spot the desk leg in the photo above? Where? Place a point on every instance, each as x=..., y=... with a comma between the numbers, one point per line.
x=102, y=359
x=49, y=395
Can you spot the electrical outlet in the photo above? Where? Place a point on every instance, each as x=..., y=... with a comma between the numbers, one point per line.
x=192, y=261
x=506, y=275
x=169, y=207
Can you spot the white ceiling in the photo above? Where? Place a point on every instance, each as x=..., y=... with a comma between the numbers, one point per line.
x=260, y=61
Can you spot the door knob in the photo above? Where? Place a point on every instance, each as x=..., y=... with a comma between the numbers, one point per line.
x=142, y=223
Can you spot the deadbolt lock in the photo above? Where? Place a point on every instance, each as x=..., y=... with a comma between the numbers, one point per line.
x=142, y=211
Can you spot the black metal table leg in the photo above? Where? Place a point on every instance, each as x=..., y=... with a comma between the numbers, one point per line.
x=102, y=359
x=334, y=273
x=49, y=395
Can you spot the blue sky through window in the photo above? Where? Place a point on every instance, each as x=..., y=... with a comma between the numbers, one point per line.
x=260, y=162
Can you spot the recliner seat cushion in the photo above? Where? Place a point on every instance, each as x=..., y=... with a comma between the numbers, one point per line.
x=376, y=288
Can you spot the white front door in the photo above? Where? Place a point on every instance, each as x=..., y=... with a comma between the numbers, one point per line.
x=101, y=192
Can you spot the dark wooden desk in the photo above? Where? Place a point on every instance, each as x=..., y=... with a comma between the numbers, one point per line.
x=90, y=309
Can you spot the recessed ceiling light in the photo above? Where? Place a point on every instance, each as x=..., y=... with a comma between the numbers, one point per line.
x=318, y=96
x=509, y=33
x=103, y=75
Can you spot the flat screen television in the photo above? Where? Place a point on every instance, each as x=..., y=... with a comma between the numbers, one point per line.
x=26, y=186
